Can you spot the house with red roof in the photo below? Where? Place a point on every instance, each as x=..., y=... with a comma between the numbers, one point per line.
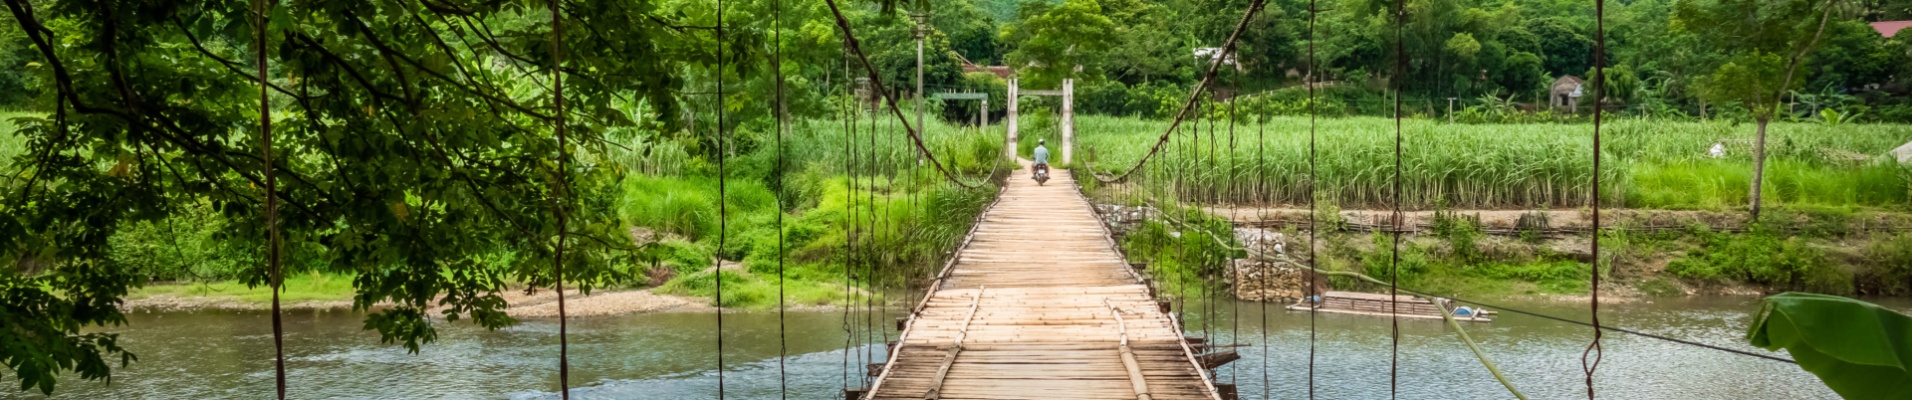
x=1889, y=28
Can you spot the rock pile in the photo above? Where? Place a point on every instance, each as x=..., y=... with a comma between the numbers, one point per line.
x=1264, y=281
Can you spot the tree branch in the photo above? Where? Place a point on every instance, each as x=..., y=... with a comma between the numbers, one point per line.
x=373, y=37
x=230, y=65
x=1800, y=56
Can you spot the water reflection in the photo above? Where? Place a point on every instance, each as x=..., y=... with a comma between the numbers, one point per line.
x=1541, y=357
x=661, y=356
x=672, y=356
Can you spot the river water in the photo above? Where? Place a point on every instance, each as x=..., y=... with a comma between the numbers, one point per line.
x=673, y=356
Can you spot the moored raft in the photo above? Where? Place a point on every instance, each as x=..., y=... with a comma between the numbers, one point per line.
x=1378, y=304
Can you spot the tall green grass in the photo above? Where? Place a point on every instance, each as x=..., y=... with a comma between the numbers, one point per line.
x=881, y=146
x=1724, y=184
x=311, y=286
x=856, y=203
x=1655, y=164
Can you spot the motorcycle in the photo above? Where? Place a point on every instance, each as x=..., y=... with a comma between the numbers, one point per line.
x=1042, y=174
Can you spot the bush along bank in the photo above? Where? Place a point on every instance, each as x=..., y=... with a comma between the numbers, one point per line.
x=854, y=225
x=1642, y=254
x=855, y=221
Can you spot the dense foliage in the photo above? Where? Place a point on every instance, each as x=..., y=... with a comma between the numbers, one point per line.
x=1668, y=58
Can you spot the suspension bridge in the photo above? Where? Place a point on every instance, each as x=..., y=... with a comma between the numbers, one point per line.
x=1040, y=304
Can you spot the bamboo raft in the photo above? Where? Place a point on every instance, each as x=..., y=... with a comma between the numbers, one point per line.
x=1377, y=304
x=1038, y=304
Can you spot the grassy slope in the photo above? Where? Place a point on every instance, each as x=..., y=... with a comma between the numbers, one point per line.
x=308, y=287
x=906, y=218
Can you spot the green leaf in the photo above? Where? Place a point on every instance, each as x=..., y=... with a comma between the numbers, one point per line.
x=1858, y=349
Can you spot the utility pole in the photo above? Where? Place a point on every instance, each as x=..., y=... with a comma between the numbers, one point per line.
x=922, y=18
x=1450, y=110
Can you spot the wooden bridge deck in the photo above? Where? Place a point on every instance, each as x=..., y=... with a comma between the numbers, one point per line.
x=1039, y=305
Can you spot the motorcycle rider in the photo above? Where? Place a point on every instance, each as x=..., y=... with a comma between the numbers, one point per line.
x=1041, y=156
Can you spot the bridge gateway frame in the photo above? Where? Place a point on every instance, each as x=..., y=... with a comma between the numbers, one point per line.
x=982, y=120
x=1067, y=93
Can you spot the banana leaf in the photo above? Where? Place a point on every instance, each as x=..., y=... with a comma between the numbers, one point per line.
x=1858, y=349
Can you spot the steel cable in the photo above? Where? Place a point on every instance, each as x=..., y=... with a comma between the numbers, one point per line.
x=849, y=142
x=1313, y=197
x=1599, y=95
x=723, y=211
x=876, y=83
x=1234, y=307
x=874, y=259
x=1201, y=87
x=1261, y=168
x=1601, y=327
x=776, y=68
x=274, y=267
x=1394, y=253
x=557, y=264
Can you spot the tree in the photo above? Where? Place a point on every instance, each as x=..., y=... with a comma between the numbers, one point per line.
x=1767, y=41
x=892, y=47
x=1521, y=73
x=411, y=141
x=970, y=30
x=1622, y=84
x=1565, y=49
x=1851, y=56
x=1141, y=53
x=16, y=83
x=1268, y=46
x=1067, y=41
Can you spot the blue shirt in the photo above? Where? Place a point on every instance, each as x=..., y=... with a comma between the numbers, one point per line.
x=1042, y=155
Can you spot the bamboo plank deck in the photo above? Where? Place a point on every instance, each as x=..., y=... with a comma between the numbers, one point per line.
x=1039, y=305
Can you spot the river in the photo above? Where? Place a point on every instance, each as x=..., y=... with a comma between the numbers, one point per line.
x=672, y=356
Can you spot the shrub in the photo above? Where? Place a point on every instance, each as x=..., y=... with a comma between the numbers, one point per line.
x=1462, y=234
x=1761, y=257
x=1890, y=265
x=1382, y=263
x=1660, y=288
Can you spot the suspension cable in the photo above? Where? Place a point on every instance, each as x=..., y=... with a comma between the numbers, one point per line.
x=876, y=85
x=1234, y=307
x=850, y=107
x=1314, y=185
x=869, y=263
x=1261, y=208
x=557, y=264
x=1424, y=293
x=723, y=211
x=1599, y=95
x=275, y=269
x=1394, y=253
x=1205, y=193
x=1603, y=327
x=776, y=69
x=1228, y=47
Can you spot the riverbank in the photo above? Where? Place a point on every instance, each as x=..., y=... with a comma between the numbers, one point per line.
x=326, y=292
x=1539, y=255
